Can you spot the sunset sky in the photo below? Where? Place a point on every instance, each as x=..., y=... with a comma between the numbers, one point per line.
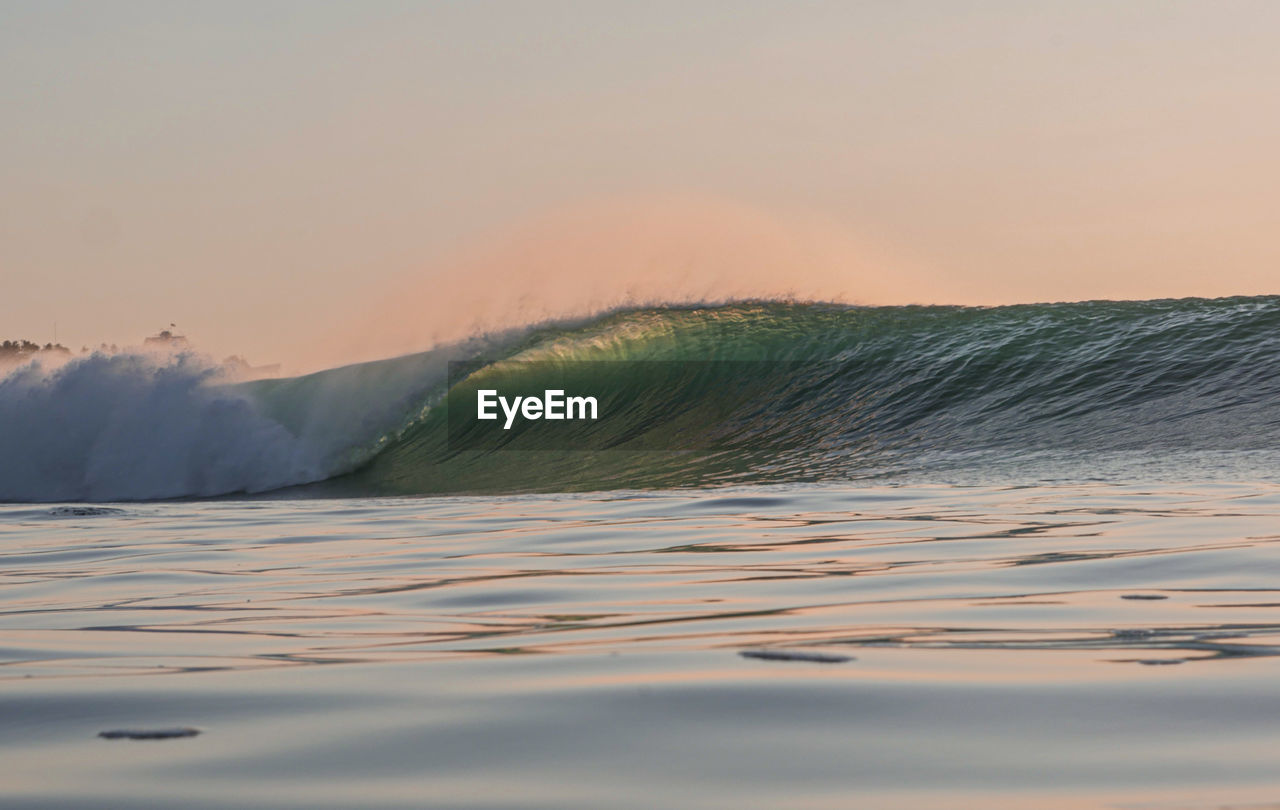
x=279, y=176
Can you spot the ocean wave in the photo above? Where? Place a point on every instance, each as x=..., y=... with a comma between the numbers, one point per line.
x=896, y=391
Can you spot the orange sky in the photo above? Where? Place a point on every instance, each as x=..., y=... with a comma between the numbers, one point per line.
x=311, y=182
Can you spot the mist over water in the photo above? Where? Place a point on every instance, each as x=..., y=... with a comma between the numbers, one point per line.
x=580, y=262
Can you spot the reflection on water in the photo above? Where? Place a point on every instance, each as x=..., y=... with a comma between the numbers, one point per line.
x=983, y=646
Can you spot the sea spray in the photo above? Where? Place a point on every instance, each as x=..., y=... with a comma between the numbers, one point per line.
x=136, y=426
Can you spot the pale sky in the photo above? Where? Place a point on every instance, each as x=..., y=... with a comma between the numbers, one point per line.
x=272, y=175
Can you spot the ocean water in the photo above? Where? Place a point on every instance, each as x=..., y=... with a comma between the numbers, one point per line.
x=1004, y=558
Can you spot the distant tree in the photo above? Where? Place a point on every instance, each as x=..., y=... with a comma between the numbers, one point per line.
x=19, y=350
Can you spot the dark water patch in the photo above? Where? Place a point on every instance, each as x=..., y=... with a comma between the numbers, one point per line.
x=795, y=655
x=84, y=511
x=739, y=504
x=149, y=733
x=19, y=513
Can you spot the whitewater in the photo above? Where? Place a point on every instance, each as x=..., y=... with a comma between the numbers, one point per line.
x=809, y=556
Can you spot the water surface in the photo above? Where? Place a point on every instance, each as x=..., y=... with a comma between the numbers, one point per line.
x=1052, y=646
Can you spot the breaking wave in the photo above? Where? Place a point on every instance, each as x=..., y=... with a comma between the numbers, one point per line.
x=1029, y=392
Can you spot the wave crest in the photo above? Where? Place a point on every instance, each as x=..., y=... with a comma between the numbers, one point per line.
x=903, y=391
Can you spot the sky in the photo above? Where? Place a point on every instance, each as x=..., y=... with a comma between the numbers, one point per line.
x=312, y=183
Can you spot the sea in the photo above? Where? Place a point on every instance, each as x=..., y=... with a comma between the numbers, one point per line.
x=928, y=557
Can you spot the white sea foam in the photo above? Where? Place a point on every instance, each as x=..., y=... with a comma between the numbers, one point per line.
x=137, y=426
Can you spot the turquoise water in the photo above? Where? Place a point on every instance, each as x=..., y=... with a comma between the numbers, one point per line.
x=1085, y=645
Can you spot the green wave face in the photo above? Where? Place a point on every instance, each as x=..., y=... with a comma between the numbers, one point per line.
x=841, y=393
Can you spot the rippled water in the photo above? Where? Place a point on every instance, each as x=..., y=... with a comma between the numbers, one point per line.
x=1073, y=646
